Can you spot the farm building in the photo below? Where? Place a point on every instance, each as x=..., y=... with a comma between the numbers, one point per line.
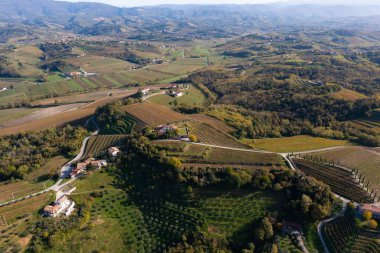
x=61, y=205
x=289, y=227
x=176, y=93
x=75, y=74
x=81, y=167
x=373, y=208
x=113, y=151
x=163, y=129
x=99, y=163
x=145, y=91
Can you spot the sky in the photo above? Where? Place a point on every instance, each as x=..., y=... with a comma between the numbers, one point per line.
x=133, y=3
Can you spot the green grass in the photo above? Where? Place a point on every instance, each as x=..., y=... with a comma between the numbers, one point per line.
x=94, y=181
x=295, y=143
x=192, y=153
x=191, y=97
x=54, y=78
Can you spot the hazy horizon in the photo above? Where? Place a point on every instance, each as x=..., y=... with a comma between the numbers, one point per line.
x=130, y=3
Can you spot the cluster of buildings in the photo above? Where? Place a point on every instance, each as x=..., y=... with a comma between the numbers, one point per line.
x=98, y=164
x=163, y=129
x=175, y=93
x=81, y=167
x=62, y=205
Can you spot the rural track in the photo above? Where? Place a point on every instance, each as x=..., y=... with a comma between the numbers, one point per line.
x=322, y=223
x=64, y=170
x=293, y=167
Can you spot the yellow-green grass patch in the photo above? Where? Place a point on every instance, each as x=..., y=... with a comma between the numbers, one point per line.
x=100, y=64
x=347, y=94
x=294, y=143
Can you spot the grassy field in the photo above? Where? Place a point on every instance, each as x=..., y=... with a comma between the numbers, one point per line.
x=191, y=97
x=94, y=181
x=25, y=60
x=347, y=94
x=367, y=161
x=20, y=189
x=100, y=64
x=294, y=144
x=197, y=154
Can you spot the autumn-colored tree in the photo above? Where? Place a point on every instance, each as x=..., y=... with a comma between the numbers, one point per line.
x=367, y=215
x=372, y=224
x=193, y=138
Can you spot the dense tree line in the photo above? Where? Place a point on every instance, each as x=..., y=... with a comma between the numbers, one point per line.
x=55, y=50
x=6, y=69
x=25, y=152
x=148, y=173
x=280, y=106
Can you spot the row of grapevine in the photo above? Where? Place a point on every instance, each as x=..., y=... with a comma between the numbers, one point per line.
x=340, y=181
x=100, y=143
x=342, y=236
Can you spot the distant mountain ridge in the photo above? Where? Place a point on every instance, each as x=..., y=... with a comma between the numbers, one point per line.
x=97, y=18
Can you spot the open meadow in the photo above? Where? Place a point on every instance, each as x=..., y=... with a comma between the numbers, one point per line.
x=100, y=64
x=191, y=97
x=202, y=156
x=294, y=144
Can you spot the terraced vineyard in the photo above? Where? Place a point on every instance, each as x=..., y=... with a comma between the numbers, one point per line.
x=153, y=114
x=338, y=233
x=209, y=135
x=13, y=212
x=18, y=190
x=102, y=142
x=138, y=124
x=339, y=180
x=342, y=236
x=365, y=160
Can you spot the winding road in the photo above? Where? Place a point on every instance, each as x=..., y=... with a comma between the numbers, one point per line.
x=65, y=170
